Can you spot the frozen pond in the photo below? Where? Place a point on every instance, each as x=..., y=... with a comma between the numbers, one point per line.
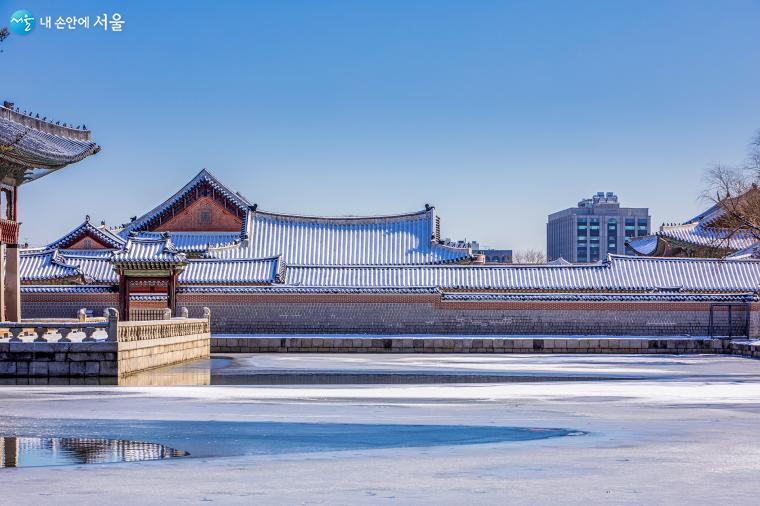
x=667, y=430
x=96, y=443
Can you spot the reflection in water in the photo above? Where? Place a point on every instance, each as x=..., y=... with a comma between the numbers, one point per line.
x=53, y=451
x=114, y=440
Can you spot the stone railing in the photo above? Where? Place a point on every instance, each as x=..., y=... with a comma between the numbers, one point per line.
x=159, y=329
x=51, y=331
x=59, y=332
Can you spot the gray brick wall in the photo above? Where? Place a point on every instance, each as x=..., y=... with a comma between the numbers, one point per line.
x=421, y=314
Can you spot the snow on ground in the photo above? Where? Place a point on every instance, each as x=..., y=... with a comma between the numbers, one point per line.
x=683, y=434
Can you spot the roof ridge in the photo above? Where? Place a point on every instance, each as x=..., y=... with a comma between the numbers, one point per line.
x=256, y=259
x=422, y=212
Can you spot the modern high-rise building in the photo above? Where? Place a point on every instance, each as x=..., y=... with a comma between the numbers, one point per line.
x=596, y=227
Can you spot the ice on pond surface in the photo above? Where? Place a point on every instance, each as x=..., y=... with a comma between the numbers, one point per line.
x=61, y=451
x=41, y=440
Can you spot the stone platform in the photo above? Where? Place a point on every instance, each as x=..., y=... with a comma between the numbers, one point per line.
x=102, y=348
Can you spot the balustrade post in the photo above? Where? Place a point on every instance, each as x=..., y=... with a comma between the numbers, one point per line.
x=113, y=323
x=64, y=331
x=207, y=317
x=183, y=312
x=167, y=314
x=82, y=315
x=40, y=334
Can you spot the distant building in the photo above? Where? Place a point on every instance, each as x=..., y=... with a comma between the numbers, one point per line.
x=596, y=227
x=491, y=255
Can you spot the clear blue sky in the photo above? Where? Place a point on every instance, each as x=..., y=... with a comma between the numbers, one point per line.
x=498, y=113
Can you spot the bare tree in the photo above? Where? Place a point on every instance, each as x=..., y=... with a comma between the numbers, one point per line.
x=4, y=33
x=528, y=256
x=734, y=191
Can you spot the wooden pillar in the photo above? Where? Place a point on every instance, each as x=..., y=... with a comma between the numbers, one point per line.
x=12, y=284
x=2, y=283
x=123, y=297
x=172, y=293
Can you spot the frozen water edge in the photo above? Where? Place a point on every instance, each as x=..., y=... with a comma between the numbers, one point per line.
x=683, y=436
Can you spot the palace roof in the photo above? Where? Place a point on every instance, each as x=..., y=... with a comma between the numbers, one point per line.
x=47, y=266
x=705, y=230
x=198, y=242
x=751, y=252
x=96, y=267
x=618, y=273
x=700, y=234
x=410, y=238
x=240, y=271
x=141, y=252
x=31, y=147
x=372, y=240
x=101, y=234
x=187, y=192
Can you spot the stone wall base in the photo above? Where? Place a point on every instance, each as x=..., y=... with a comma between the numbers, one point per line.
x=476, y=344
x=135, y=356
x=98, y=359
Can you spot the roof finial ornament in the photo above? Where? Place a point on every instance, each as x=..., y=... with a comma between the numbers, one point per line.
x=87, y=218
x=427, y=207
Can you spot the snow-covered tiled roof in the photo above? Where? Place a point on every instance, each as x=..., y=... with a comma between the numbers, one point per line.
x=644, y=245
x=701, y=235
x=620, y=273
x=602, y=297
x=197, y=241
x=374, y=240
x=32, y=143
x=48, y=265
x=96, y=268
x=750, y=252
x=92, y=266
x=251, y=271
x=148, y=251
x=102, y=234
x=64, y=289
x=221, y=289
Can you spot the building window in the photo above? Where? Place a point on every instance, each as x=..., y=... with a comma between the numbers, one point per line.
x=630, y=227
x=642, y=227
x=205, y=217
